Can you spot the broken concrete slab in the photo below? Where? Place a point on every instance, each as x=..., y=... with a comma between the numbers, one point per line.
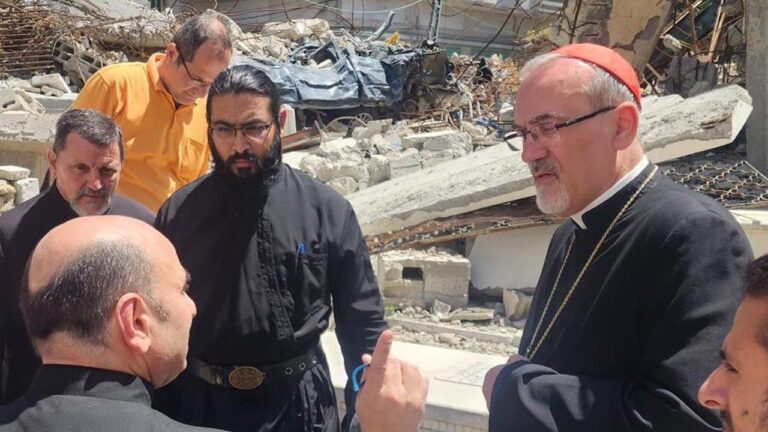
x=52, y=81
x=432, y=158
x=7, y=196
x=470, y=314
x=13, y=173
x=460, y=141
x=696, y=124
x=26, y=189
x=338, y=149
x=19, y=100
x=407, y=162
x=384, y=146
x=50, y=91
x=496, y=175
x=655, y=103
x=417, y=140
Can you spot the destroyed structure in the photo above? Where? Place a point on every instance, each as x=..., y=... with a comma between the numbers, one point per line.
x=412, y=136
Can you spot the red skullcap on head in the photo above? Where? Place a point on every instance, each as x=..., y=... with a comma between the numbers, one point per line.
x=607, y=60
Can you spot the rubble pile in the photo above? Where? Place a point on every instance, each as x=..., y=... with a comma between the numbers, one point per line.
x=380, y=150
x=40, y=94
x=16, y=186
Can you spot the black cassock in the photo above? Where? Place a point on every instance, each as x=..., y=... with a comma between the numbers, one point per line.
x=21, y=228
x=642, y=330
x=78, y=399
x=266, y=263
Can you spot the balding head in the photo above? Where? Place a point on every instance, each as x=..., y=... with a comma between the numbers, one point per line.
x=110, y=283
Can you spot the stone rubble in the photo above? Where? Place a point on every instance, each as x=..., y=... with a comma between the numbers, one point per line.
x=16, y=186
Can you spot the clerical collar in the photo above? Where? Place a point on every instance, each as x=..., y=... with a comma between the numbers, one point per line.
x=578, y=218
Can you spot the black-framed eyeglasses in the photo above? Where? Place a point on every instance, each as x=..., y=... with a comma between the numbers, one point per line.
x=252, y=132
x=548, y=130
x=197, y=82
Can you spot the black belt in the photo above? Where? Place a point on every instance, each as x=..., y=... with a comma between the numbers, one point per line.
x=251, y=377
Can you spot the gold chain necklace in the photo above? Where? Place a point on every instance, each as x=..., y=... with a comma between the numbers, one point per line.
x=534, y=346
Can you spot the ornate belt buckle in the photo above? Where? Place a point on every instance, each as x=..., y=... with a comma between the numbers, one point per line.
x=246, y=377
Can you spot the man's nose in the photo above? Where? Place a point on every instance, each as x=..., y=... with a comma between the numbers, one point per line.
x=240, y=143
x=713, y=394
x=94, y=181
x=532, y=149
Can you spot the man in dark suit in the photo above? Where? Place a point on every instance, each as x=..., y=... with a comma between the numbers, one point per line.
x=105, y=302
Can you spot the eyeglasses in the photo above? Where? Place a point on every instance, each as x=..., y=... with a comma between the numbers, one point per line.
x=251, y=132
x=197, y=82
x=548, y=131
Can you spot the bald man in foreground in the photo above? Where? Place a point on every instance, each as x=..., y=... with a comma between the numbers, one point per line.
x=106, y=305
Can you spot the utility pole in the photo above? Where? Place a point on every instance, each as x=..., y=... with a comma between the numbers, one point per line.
x=434, y=20
x=757, y=84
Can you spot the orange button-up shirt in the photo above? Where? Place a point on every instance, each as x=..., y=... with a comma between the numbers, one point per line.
x=166, y=147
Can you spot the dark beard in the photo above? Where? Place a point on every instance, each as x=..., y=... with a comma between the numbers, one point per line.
x=267, y=168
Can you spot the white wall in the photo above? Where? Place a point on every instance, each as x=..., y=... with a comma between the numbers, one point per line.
x=510, y=259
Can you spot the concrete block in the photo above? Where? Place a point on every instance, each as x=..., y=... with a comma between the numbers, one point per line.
x=14, y=83
x=378, y=169
x=432, y=158
x=7, y=196
x=460, y=141
x=343, y=185
x=417, y=140
x=507, y=113
x=25, y=189
x=50, y=91
x=338, y=149
x=13, y=173
x=428, y=275
x=517, y=304
x=294, y=158
x=50, y=80
x=384, y=146
x=366, y=132
x=404, y=163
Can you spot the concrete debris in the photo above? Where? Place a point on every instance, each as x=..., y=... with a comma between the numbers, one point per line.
x=343, y=185
x=25, y=140
x=471, y=314
x=423, y=277
x=19, y=100
x=25, y=189
x=13, y=173
x=378, y=169
x=517, y=304
x=440, y=309
x=81, y=59
x=299, y=29
x=496, y=175
x=688, y=76
x=51, y=81
x=7, y=196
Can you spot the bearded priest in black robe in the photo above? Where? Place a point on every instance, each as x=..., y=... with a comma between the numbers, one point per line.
x=639, y=284
x=272, y=253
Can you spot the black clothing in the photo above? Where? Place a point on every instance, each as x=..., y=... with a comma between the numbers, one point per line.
x=642, y=330
x=266, y=262
x=20, y=230
x=76, y=399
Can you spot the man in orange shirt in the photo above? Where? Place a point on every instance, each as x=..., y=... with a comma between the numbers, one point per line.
x=160, y=107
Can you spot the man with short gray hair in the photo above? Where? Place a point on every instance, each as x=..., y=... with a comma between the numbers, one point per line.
x=639, y=284
x=160, y=106
x=85, y=162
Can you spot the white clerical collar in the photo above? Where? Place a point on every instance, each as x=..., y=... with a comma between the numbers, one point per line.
x=578, y=218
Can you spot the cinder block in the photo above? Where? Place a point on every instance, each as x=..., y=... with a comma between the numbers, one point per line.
x=13, y=173
x=25, y=189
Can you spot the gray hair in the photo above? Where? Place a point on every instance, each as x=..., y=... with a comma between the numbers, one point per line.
x=80, y=296
x=198, y=30
x=603, y=91
x=93, y=126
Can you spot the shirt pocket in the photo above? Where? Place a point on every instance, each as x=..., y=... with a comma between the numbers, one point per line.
x=194, y=156
x=305, y=278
